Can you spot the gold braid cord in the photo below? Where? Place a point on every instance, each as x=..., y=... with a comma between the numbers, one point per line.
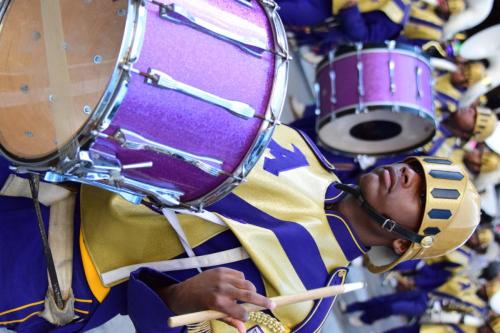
x=267, y=321
x=262, y=319
x=203, y=327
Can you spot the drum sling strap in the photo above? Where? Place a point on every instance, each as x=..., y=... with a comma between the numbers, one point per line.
x=57, y=246
x=192, y=262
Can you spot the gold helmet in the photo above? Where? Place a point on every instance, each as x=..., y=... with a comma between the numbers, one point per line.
x=456, y=6
x=494, y=324
x=485, y=124
x=451, y=214
x=485, y=237
x=489, y=161
x=474, y=72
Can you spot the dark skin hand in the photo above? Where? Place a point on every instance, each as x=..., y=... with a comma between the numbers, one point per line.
x=216, y=289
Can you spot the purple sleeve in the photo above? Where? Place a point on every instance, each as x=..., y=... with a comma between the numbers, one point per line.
x=146, y=309
x=432, y=276
x=352, y=24
x=304, y=12
x=369, y=27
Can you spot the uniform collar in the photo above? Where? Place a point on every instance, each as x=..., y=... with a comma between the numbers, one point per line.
x=341, y=226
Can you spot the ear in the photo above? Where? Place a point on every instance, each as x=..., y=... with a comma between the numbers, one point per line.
x=400, y=245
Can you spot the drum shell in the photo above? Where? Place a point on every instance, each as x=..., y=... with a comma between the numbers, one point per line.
x=186, y=123
x=376, y=83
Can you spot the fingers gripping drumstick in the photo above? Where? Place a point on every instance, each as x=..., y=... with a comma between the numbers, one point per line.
x=309, y=295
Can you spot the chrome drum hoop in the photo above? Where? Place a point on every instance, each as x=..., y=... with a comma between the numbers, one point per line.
x=67, y=156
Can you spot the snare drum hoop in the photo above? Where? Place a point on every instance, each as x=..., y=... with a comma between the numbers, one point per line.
x=377, y=107
x=348, y=50
x=117, y=87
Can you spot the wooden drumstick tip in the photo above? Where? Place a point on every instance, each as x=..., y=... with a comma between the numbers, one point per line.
x=309, y=295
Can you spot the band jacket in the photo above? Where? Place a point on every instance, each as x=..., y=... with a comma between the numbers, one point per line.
x=278, y=216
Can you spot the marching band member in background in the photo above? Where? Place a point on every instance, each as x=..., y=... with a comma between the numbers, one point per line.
x=491, y=326
x=476, y=123
x=292, y=226
x=366, y=21
x=460, y=293
x=426, y=20
x=433, y=272
x=477, y=160
x=449, y=87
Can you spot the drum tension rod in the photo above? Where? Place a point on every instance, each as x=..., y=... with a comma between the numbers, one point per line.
x=162, y=80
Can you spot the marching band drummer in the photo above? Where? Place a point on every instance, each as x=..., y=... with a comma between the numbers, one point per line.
x=292, y=226
x=449, y=87
x=477, y=160
x=476, y=123
x=353, y=20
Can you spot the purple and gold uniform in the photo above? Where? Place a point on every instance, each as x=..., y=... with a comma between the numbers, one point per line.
x=447, y=98
x=443, y=143
x=279, y=217
x=457, y=294
x=436, y=271
x=424, y=24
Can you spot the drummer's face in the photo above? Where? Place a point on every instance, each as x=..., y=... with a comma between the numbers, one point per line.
x=458, y=77
x=396, y=191
x=443, y=7
x=465, y=119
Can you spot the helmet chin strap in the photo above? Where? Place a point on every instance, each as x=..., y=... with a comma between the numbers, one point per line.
x=386, y=223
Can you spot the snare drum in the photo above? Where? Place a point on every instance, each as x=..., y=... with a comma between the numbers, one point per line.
x=375, y=99
x=174, y=102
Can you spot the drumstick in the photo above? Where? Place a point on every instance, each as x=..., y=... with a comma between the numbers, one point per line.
x=309, y=295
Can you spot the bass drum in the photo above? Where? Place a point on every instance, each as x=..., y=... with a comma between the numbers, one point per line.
x=174, y=102
x=375, y=99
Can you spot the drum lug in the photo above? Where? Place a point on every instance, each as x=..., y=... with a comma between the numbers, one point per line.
x=133, y=141
x=99, y=162
x=159, y=79
x=392, y=84
x=359, y=67
x=418, y=76
x=270, y=4
x=105, y=171
x=93, y=179
x=392, y=66
x=165, y=196
x=175, y=13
